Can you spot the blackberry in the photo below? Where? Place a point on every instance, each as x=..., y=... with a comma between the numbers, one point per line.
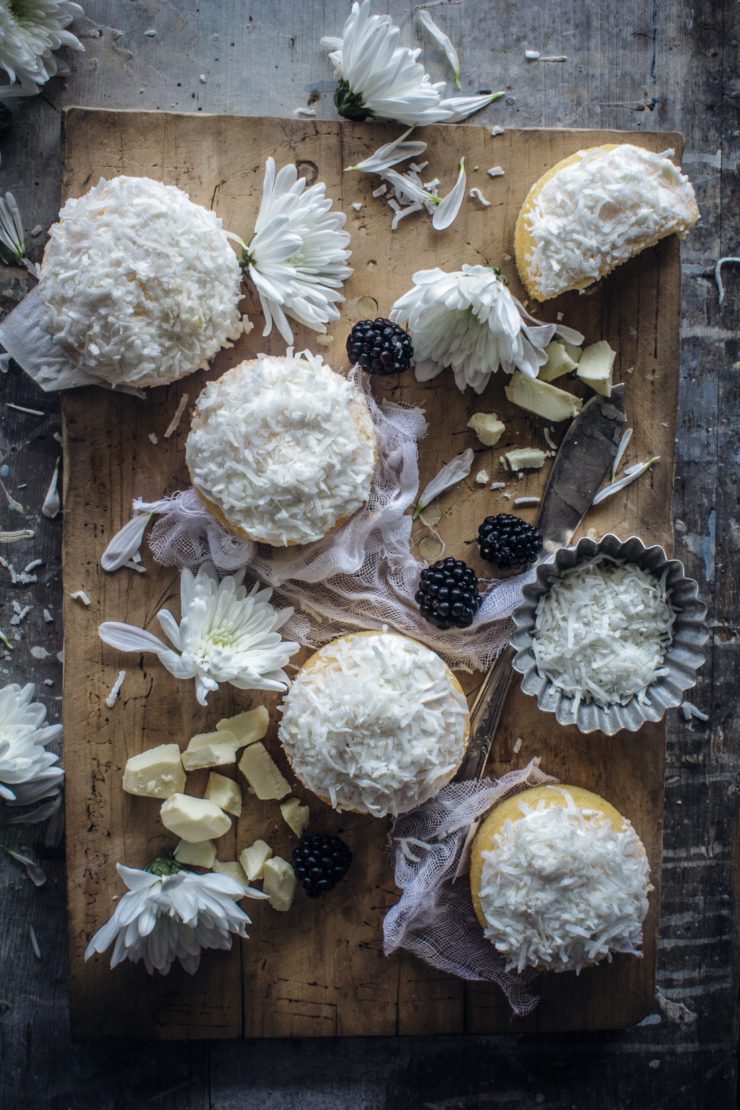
x=508, y=542
x=380, y=347
x=448, y=594
x=320, y=862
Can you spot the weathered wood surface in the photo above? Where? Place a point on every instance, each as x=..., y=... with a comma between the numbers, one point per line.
x=320, y=971
x=632, y=65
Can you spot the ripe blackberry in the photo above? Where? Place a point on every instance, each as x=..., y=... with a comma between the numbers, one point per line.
x=380, y=347
x=508, y=542
x=320, y=862
x=448, y=594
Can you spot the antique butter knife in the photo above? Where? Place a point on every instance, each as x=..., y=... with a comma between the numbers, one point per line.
x=582, y=462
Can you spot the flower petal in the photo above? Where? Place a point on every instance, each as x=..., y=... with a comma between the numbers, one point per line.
x=437, y=35
x=446, y=213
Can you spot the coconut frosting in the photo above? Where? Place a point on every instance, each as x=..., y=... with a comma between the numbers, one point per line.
x=376, y=724
x=562, y=888
x=283, y=447
x=598, y=212
x=139, y=284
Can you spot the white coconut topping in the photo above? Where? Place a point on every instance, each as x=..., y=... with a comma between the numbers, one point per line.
x=375, y=725
x=602, y=631
x=139, y=284
x=598, y=212
x=562, y=888
x=284, y=447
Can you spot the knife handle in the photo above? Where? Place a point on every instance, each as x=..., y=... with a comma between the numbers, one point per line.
x=485, y=716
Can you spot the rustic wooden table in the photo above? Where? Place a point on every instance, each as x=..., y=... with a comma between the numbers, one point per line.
x=635, y=65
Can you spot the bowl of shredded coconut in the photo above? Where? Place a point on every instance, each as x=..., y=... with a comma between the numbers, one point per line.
x=610, y=634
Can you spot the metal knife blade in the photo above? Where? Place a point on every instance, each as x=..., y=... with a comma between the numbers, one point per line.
x=583, y=460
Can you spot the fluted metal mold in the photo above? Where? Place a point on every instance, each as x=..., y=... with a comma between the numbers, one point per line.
x=683, y=659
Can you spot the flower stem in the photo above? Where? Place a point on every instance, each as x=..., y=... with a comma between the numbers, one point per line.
x=349, y=104
x=163, y=867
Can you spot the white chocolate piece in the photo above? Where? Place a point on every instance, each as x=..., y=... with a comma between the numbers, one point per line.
x=246, y=727
x=525, y=458
x=559, y=362
x=542, y=399
x=220, y=736
x=572, y=350
x=487, y=427
x=483, y=477
x=210, y=755
x=263, y=774
x=254, y=858
x=279, y=883
x=201, y=853
x=155, y=773
x=225, y=793
x=295, y=815
x=232, y=868
x=596, y=366
x=194, y=819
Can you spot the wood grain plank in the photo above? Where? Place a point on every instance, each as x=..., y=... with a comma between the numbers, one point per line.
x=321, y=972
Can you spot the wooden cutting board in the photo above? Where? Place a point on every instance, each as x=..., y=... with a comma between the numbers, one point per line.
x=319, y=970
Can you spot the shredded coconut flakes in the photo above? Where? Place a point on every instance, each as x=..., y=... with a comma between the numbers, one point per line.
x=599, y=211
x=140, y=285
x=562, y=888
x=602, y=631
x=375, y=725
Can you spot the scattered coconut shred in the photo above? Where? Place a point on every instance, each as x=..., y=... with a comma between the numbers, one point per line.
x=602, y=630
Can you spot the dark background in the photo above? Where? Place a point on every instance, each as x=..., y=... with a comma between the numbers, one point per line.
x=636, y=65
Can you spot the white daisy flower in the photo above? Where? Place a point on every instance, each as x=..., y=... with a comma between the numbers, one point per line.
x=171, y=914
x=380, y=79
x=225, y=635
x=27, y=771
x=298, y=255
x=30, y=32
x=470, y=321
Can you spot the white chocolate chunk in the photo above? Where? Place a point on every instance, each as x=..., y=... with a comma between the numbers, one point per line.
x=205, y=739
x=248, y=726
x=487, y=427
x=295, y=815
x=483, y=477
x=542, y=399
x=156, y=773
x=210, y=755
x=525, y=458
x=194, y=819
x=263, y=774
x=559, y=362
x=232, y=868
x=574, y=352
x=201, y=853
x=254, y=858
x=279, y=883
x=596, y=366
x=225, y=793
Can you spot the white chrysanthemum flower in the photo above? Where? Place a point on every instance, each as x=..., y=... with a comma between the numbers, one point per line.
x=380, y=79
x=27, y=773
x=470, y=321
x=30, y=32
x=172, y=914
x=225, y=635
x=298, y=255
